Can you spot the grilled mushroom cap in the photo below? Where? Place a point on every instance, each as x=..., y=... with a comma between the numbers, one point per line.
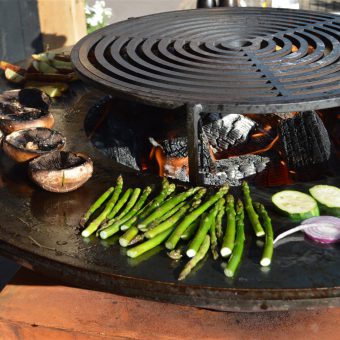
x=24, y=145
x=22, y=109
x=61, y=171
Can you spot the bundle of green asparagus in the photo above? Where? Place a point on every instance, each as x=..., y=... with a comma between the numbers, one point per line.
x=191, y=216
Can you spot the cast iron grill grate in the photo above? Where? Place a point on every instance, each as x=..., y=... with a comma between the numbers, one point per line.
x=240, y=60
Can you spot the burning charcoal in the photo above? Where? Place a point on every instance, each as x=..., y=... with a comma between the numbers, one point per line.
x=305, y=140
x=224, y=131
x=285, y=115
x=176, y=147
x=233, y=170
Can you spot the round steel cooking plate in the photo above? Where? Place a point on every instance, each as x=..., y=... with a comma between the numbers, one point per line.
x=242, y=60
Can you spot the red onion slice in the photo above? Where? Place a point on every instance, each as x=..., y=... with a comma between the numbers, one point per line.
x=323, y=229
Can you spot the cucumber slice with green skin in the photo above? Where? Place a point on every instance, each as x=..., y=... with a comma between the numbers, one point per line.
x=328, y=198
x=297, y=205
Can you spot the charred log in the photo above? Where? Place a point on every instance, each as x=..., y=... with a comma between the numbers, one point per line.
x=235, y=169
x=225, y=131
x=305, y=140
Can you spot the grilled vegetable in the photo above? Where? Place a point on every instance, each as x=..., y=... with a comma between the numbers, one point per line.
x=96, y=205
x=297, y=205
x=328, y=198
x=120, y=203
x=252, y=215
x=267, y=253
x=229, y=236
x=236, y=255
x=114, y=226
x=197, y=258
x=191, y=217
x=164, y=208
x=149, y=244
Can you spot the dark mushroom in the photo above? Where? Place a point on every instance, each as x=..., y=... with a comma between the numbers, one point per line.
x=61, y=171
x=22, y=109
x=24, y=145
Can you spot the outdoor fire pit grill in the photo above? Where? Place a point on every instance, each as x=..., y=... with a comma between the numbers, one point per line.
x=223, y=61
x=220, y=60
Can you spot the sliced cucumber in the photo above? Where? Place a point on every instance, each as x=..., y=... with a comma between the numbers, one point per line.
x=297, y=205
x=328, y=198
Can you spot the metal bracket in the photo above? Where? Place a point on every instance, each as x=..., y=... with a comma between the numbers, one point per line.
x=193, y=117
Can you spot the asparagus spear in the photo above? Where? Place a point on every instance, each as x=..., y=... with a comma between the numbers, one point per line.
x=163, y=209
x=213, y=237
x=219, y=217
x=167, y=189
x=267, y=253
x=119, y=204
x=191, y=217
x=190, y=231
x=229, y=236
x=128, y=236
x=133, y=199
x=96, y=205
x=197, y=199
x=149, y=244
x=93, y=226
x=167, y=223
x=113, y=227
x=237, y=252
x=202, y=231
x=163, y=218
x=252, y=215
x=197, y=258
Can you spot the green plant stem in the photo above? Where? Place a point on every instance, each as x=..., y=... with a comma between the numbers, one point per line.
x=197, y=258
x=267, y=253
x=95, y=206
x=236, y=255
x=128, y=236
x=229, y=236
x=94, y=225
x=163, y=209
x=191, y=217
x=119, y=204
x=251, y=213
x=149, y=244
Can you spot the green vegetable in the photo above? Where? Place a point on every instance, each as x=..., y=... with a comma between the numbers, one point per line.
x=297, y=205
x=328, y=198
x=164, y=208
x=113, y=226
x=128, y=236
x=219, y=217
x=236, y=255
x=190, y=231
x=133, y=199
x=170, y=222
x=267, y=253
x=167, y=189
x=96, y=205
x=119, y=204
x=202, y=231
x=252, y=215
x=149, y=244
x=229, y=236
x=197, y=258
x=191, y=217
x=94, y=225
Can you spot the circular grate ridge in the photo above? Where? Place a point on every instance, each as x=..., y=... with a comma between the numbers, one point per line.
x=240, y=60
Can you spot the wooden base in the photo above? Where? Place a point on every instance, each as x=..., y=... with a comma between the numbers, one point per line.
x=33, y=308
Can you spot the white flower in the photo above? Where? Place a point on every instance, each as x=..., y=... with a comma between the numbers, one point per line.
x=96, y=14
